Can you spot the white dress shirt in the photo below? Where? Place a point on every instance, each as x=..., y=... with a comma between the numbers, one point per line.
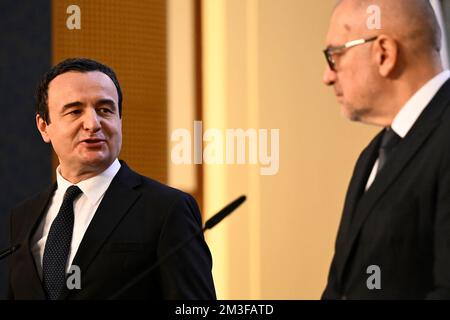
x=410, y=112
x=84, y=207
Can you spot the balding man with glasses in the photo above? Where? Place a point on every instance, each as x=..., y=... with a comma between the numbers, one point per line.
x=393, y=240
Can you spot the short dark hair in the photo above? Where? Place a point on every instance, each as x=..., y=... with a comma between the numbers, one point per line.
x=71, y=64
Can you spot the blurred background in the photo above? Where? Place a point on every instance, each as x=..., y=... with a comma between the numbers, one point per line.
x=229, y=63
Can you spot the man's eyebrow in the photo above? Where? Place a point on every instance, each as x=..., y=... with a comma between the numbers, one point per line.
x=71, y=105
x=109, y=102
x=100, y=102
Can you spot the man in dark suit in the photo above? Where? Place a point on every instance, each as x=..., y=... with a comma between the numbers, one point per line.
x=393, y=241
x=101, y=224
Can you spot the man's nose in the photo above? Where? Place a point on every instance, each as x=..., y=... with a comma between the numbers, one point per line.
x=329, y=76
x=91, y=120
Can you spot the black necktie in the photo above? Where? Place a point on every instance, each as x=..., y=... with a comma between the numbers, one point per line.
x=57, y=247
x=388, y=142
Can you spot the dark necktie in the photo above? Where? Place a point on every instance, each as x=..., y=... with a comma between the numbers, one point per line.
x=388, y=142
x=57, y=247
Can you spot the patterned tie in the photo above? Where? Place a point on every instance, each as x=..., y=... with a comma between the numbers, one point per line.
x=388, y=142
x=57, y=247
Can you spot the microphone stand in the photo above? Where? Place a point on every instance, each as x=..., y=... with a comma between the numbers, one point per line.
x=9, y=251
x=208, y=225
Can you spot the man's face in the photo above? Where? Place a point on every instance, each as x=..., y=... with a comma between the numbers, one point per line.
x=354, y=78
x=85, y=129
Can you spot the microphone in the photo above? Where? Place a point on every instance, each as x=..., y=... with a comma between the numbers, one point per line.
x=9, y=251
x=214, y=220
x=219, y=216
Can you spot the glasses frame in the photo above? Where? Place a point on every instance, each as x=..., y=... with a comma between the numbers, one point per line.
x=334, y=49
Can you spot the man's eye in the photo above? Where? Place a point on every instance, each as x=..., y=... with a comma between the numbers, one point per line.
x=106, y=110
x=75, y=112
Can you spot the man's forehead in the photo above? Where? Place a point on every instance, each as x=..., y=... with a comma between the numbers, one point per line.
x=345, y=24
x=75, y=85
x=81, y=81
x=78, y=77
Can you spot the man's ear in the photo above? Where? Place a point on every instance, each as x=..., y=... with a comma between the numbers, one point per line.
x=386, y=54
x=42, y=127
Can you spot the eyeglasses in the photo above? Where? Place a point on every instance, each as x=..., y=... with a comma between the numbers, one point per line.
x=332, y=50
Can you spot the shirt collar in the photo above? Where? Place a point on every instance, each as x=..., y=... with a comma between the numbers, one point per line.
x=410, y=112
x=94, y=188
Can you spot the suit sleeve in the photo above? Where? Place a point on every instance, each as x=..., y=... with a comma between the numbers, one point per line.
x=441, y=263
x=187, y=273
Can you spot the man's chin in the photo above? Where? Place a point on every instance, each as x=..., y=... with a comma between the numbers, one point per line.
x=96, y=161
x=349, y=113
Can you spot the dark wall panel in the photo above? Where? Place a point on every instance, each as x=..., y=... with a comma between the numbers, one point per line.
x=25, y=160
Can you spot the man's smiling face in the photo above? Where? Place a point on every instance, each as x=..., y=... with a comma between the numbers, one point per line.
x=85, y=128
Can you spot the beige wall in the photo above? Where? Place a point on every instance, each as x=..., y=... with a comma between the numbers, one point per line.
x=262, y=69
x=180, y=87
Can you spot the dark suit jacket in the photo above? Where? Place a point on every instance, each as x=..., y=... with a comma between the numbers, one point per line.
x=402, y=222
x=138, y=221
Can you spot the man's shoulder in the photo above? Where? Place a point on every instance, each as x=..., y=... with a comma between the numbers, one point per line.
x=445, y=119
x=21, y=211
x=156, y=191
x=152, y=186
x=443, y=126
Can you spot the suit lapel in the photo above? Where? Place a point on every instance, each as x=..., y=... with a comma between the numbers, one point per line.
x=355, y=191
x=404, y=153
x=34, y=282
x=358, y=183
x=118, y=199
